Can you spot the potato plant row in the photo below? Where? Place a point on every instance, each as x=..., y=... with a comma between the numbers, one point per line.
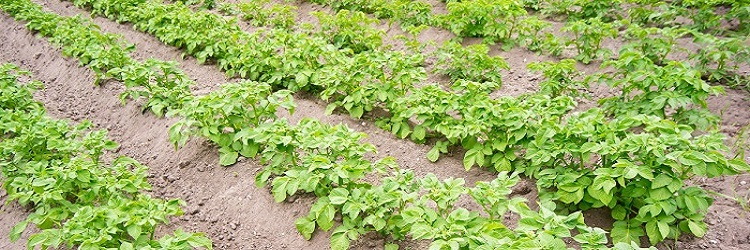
x=588, y=24
x=77, y=198
x=600, y=157
x=325, y=160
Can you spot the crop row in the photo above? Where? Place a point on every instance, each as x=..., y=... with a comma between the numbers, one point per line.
x=329, y=162
x=600, y=157
x=588, y=25
x=78, y=199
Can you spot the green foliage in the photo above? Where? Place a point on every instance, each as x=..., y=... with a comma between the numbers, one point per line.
x=470, y=63
x=675, y=91
x=77, y=199
x=533, y=35
x=350, y=30
x=627, y=156
x=560, y=78
x=582, y=9
x=262, y=13
x=654, y=43
x=164, y=86
x=381, y=78
x=720, y=58
x=227, y=116
x=588, y=35
x=495, y=20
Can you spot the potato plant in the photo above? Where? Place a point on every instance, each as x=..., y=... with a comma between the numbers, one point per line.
x=472, y=63
x=351, y=30
x=262, y=13
x=588, y=35
x=494, y=20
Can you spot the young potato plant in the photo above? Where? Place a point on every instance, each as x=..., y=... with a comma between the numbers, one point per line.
x=649, y=13
x=560, y=78
x=409, y=13
x=720, y=58
x=491, y=130
x=382, y=77
x=165, y=87
x=311, y=157
x=351, y=30
x=674, y=91
x=532, y=34
x=262, y=13
x=494, y=20
x=654, y=43
x=225, y=117
x=453, y=227
x=588, y=35
x=635, y=165
x=472, y=63
x=366, y=208
x=202, y=34
x=78, y=200
x=575, y=10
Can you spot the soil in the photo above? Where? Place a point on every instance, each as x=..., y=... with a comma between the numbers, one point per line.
x=225, y=203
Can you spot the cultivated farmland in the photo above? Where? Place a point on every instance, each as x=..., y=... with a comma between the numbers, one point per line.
x=375, y=124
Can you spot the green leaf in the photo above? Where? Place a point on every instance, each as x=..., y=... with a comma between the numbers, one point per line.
x=17, y=230
x=434, y=154
x=420, y=231
x=660, y=194
x=339, y=241
x=228, y=158
x=356, y=112
x=473, y=156
x=36, y=239
x=126, y=246
x=199, y=240
x=330, y=108
x=653, y=232
x=662, y=180
x=624, y=232
x=134, y=231
x=305, y=226
x=391, y=246
x=419, y=133
x=697, y=228
x=619, y=213
x=325, y=217
x=663, y=228
x=338, y=196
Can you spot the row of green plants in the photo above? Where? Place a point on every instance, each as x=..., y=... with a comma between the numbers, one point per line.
x=529, y=145
x=330, y=162
x=726, y=18
x=591, y=23
x=262, y=13
x=108, y=56
x=78, y=199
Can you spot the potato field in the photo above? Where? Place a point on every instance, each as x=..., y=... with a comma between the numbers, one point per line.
x=375, y=124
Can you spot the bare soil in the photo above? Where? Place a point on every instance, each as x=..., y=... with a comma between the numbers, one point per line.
x=224, y=202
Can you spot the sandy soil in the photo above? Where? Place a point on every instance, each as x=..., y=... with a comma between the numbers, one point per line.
x=224, y=202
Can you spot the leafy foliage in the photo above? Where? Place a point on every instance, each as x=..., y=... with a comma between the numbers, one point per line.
x=588, y=35
x=78, y=200
x=262, y=13
x=470, y=63
x=350, y=30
